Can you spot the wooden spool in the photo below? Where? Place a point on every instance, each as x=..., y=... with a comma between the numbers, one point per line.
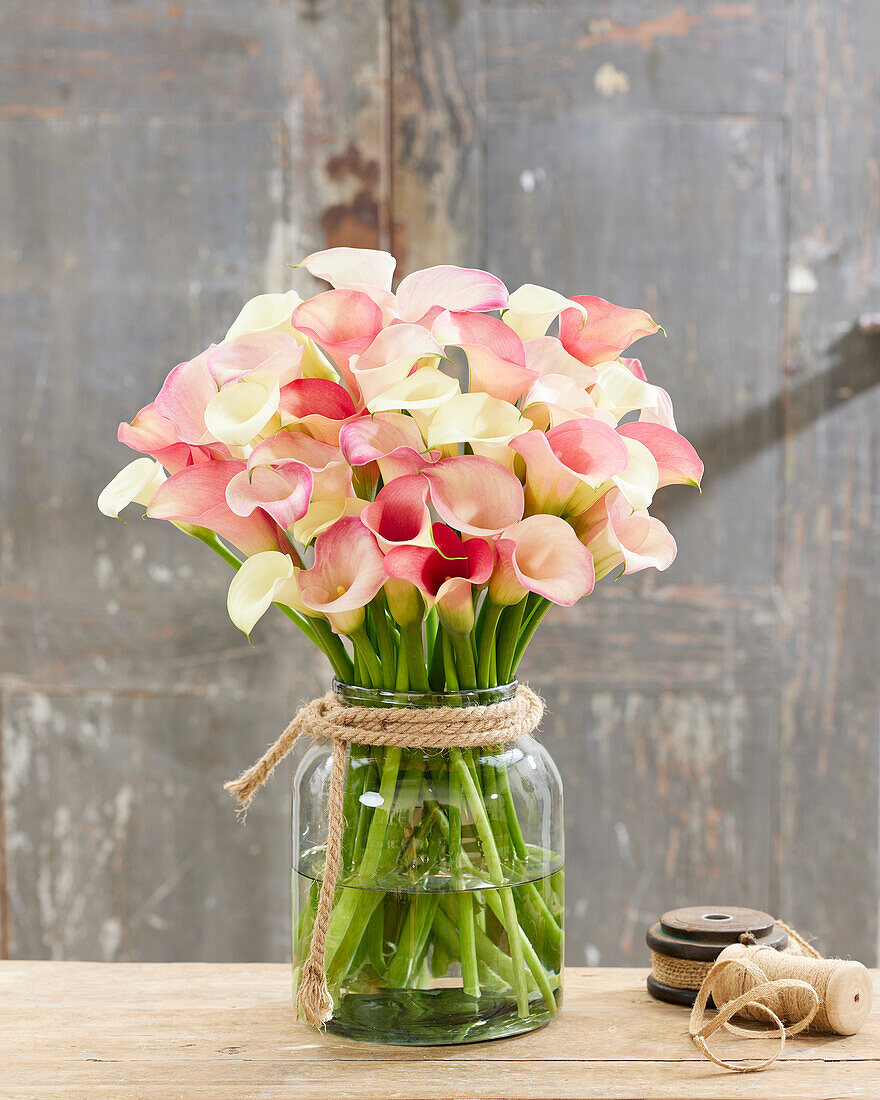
x=699, y=934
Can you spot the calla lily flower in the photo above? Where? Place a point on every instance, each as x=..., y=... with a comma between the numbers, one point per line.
x=347, y=574
x=322, y=515
x=400, y=515
x=445, y=575
x=615, y=536
x=391, y=357
x=455, y=288
x=532, y=309
x=256, y=355
x=316, y=406
x=282, y=491
x=620, y=391
x=264, y=579
x=155, y=435
x=554, y=398
x=486, y=423
x=183, y=398
x=343, y=323
x=541, y=554
x=640, y=480
x=391, y=439
x=421, y=394
x=495, y=354
x=577, y=453
x=197, y=495
x=475, y=495
x=346, y=268
x=546, y=356
x=331, y=474
x=135, y=483
x=240, y=413
x=265, y=313
x=607, y=331
x=662, y=414
x=677, y=461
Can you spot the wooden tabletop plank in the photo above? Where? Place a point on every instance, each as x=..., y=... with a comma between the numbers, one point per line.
x=197, y=1030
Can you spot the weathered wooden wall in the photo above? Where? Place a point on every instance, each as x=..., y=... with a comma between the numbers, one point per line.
x=718, y=163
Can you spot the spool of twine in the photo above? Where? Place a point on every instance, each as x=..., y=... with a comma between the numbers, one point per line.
x=791, y=992
x=404, y=727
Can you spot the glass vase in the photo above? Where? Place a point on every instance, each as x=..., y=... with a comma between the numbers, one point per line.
x=447, y=924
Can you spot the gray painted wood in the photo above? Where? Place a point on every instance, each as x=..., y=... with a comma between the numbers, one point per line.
x=717, y=726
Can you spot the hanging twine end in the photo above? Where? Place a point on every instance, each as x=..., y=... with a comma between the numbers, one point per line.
x=313, y=1001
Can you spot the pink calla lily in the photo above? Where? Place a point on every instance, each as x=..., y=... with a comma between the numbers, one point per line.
x=399, y=515
x=391, y=357
x=391, y=439
x=607, y=331
x=445, y=574
x=346, y=268
x=317, y=406
x=183, y=398
x=560, y=461
x=546, y=356
x=555, y=398
x=152, y=434
x=343, y=323
x=347, y=574
x=677, y=461
x=541, y=554
x=271, y=354
x=455, y=288
x=615, y=536
x=495, y=354
x=197, y=495
x=475, y=495
x=331, y=474
x=282, y=491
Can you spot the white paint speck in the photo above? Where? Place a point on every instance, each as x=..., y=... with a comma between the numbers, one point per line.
x=161, y=574
x=801, y=280
x=103, y=570
x=592, y=955
x=608, y=80
x=529, y=179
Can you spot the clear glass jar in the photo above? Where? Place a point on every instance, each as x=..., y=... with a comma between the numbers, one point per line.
x=448, y=913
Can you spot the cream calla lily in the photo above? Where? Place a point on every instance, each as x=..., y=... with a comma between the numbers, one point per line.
x=135, y=483
x=264, y=579
x=532, y=309
x=475, y=418
x=640, y=480
x=322, y=514
x=620, y=391
x=239, y=413
x=421, y=395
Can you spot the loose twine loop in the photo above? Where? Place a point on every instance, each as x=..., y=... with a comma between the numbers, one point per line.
x=763, y=984
x=404, y=727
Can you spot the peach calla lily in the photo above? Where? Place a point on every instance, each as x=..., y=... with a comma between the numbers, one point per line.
x=475, y=495
x=607, y=331
x=316, y=406
x=347, y=268
x=265, y=578
x=400, y=515
x=495, y=354
x=282, y=491
x=577, y=453
x=532, y=309
x=347, y=574
x=343, y=323
x=541, y=554
x=615, y=536
x=391, y=357
x=677, y=461
x=154, y=435
x=256, y=355
x=546, y=356
x=183, y=398
x=136, y=483
x=445, y=574
x=331, y=474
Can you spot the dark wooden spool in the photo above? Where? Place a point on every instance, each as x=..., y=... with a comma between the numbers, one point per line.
x=700, y=933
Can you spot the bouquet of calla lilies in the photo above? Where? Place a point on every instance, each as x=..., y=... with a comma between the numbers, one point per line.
x=413, y=477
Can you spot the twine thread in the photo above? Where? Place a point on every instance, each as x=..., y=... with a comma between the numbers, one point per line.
x=406, y=727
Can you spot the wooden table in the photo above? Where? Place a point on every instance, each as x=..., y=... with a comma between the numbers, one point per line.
x=102, y=1031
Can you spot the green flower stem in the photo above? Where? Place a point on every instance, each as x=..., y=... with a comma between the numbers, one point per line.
x=527, y=632
x=401, y=682
x=464, y=903
x=491, y=613
x=463, y=648
x=333, y=646
x=437, y=668
x=507, y=639
x=493, y=863
x=449, y=663
x=411, y=638
x=368, y=657
x=383, y=637
x=412, y=942
x=211, y=540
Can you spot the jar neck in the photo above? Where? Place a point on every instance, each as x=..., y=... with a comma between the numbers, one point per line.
x=353, y=695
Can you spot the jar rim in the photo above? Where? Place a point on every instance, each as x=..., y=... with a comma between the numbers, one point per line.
x=356, y=695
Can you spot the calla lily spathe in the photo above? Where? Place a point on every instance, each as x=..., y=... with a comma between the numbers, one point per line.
x=541, y=554
x=532, y=309
x=616, y=536
x=347, y=574
x=606, y=332
x=265, y=578
x=135, y=483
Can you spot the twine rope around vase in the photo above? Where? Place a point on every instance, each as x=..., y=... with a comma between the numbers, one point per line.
x=403, y=727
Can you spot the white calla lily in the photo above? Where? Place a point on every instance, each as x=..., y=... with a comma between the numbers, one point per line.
x=487, y=423
x=265, y=313
x=532, y=309
x=240, y=412
x=620, y=391
x=640, y=480
x=421, y=394
x=322, y=514
x=262, y=580
x=135, y=483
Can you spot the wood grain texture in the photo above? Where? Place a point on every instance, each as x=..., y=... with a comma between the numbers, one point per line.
x=832, y=472
x=228, y=1031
